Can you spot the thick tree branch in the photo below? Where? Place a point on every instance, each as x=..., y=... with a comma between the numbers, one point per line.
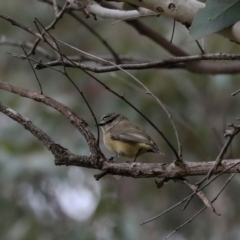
x=134, y=170
x=60, y=153
x=37, y=132
x=163, y=170
x=79, y=123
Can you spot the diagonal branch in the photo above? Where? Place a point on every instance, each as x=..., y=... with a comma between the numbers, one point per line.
x=230, y=134
x=79, y=123
x=18, y=24
x=201, y=210
x=200, y=194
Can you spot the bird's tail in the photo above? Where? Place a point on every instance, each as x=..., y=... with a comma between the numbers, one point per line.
x=155, y=148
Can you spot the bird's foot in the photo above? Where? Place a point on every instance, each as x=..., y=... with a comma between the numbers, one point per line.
x=112, y=158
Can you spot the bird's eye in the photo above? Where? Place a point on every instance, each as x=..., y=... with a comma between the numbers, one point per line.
x=107, y=117
x=104, y=117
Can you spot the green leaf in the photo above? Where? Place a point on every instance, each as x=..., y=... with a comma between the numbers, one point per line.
x=217, y=15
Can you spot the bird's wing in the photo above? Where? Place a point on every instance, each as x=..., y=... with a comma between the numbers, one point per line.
x=132, y=135
x=135, y=136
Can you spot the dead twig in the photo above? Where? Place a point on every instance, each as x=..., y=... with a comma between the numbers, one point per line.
x=201, y=210
x=230, y=134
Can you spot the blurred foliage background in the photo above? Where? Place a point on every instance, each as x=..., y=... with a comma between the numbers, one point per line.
x=41, y=201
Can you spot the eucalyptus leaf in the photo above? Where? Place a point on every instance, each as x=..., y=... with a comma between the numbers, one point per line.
x=217, y=15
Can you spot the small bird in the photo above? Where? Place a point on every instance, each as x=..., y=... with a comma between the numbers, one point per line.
x=126, y=138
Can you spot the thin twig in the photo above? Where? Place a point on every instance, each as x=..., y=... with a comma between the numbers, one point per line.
x=39, y=49
x=100, y=175
x=230, y=134
x=179, y=154
x=236, y=92
x=218, y=161
x=33, y=60
x=201, y=210
x=55, y=7
x=15, y=23
x=173, y=30
x=188, y=221
x=200, y=47
x=40, y=86
x=200, y=194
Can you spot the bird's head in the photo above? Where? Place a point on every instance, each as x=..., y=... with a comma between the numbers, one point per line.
x=111, y=119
